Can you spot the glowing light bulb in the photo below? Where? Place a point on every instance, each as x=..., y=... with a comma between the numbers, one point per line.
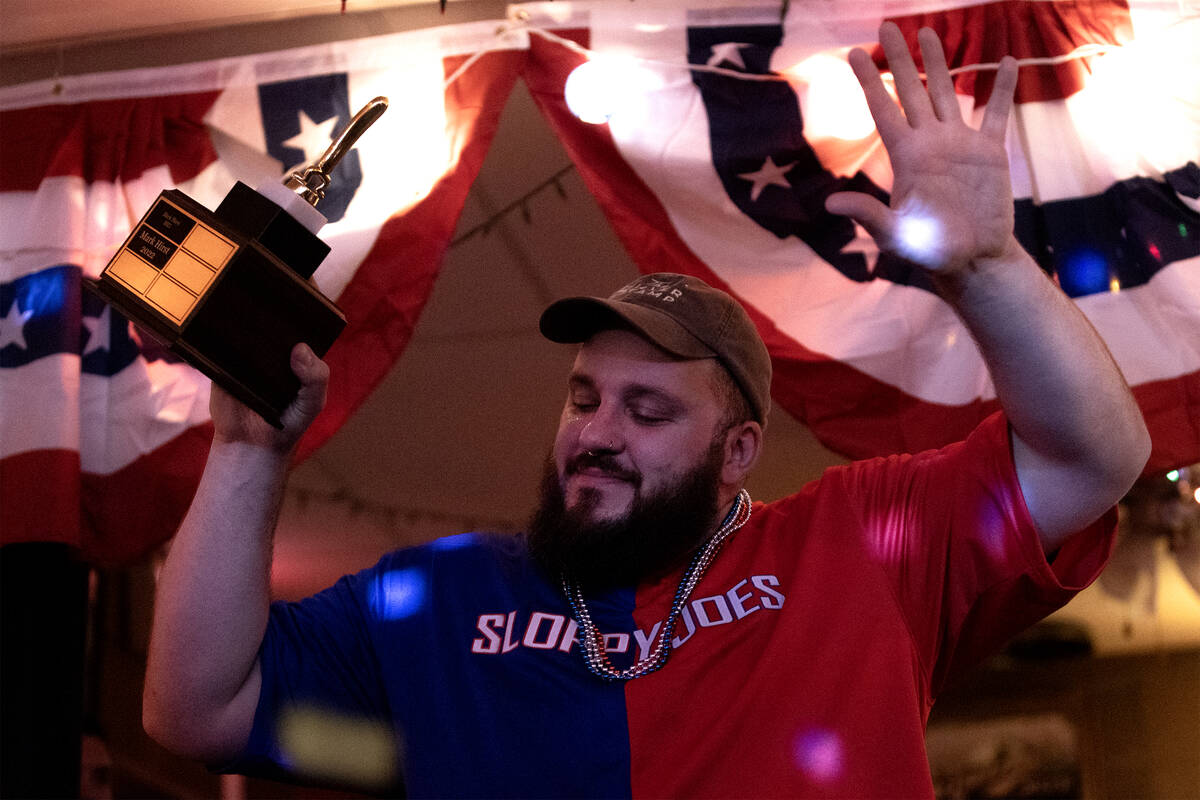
x=831, y=100
x=601, y=87
x=1196, y=495
x=1152, y=80
x=1173, y=475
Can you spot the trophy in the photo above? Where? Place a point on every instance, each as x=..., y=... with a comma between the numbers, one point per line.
x=229, y=291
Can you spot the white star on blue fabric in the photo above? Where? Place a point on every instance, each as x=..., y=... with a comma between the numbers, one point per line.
x=769, y=174
x=863, y=243
x=313, y=138
x=730, y=52
x=12, y=327
x=99, y=329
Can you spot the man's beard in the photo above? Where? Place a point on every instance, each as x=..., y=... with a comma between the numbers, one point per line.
x=656, y=535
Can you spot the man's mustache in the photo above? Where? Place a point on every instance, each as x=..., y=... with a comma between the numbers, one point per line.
x=604, y=462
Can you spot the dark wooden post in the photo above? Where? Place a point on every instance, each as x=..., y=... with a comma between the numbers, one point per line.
x=43, y=618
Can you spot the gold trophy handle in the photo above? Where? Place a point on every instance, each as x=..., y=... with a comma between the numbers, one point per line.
x=311, y=182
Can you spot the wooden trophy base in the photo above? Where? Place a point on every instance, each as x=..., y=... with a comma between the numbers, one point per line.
x=216, y=289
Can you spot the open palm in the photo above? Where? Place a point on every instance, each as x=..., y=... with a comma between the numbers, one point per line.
x=951, y=200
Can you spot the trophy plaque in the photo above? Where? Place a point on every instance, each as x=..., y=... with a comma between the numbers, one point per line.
x=229, y=291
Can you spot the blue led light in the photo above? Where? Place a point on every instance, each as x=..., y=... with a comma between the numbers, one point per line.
x=454, y=542
x=398, y=593
x=44, y=293
x=1084, y=272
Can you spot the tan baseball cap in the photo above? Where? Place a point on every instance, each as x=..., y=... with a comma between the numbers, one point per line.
x=681, y=314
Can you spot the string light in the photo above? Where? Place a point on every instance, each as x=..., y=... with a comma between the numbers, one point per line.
x=833, y=106
x=521, y=202
x=1084, y=272
x=597, y=89
x=608, y=86
x=1156, y=114
x=395, y=517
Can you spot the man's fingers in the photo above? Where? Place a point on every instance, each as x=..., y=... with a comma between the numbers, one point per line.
x=995, y=116
x=306, y=365
x=314, y=382
x=887, y=115
x=909, y=88
x=937, y=77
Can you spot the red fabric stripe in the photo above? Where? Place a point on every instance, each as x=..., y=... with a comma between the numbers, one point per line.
x=39, y=497
x=112, y=519
x=385, y=298
x=983, y=34
x=135, y=509
x=106, y=140
x=1172, y=412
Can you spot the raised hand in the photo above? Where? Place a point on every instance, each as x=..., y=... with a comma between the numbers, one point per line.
x=951, y=201
x=234, y=422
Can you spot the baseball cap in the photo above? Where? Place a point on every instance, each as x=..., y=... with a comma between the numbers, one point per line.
x=681, y=314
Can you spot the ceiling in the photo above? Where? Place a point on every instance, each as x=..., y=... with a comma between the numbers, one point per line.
x=456, y=435
x=37, y=23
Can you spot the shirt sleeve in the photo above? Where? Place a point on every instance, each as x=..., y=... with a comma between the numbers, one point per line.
x=323, y=711
x=952, y=534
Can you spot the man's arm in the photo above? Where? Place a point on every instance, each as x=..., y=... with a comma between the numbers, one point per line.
x=210, y=612
x=1079, y=440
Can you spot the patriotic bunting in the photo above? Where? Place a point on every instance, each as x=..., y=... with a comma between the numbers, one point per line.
x=103, y=433
x=733, y=124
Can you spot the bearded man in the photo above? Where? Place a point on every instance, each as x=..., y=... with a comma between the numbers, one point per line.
x=656, y=633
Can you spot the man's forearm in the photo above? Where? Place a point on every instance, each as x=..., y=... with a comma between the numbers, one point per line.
x=1069, y=406
x=211, y=606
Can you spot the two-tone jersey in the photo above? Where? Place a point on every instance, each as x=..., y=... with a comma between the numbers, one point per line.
x=805, y=663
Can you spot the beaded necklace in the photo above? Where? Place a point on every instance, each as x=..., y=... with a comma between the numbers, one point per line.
x=593, y=640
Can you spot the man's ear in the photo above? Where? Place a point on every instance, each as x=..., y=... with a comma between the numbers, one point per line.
x=743, y=443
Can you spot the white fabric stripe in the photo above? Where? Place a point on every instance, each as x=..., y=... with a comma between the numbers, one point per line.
x=123, y=417
x=1151, y=329
x=1128, y=122
x=37, y=405
x=136, y=411
x=370, y=53
x=67, y=221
